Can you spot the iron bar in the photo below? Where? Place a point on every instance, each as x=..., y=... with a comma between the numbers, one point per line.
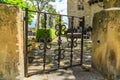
x=72, y=44
x=66, y=67
x=59, y=41
x=82, y=39
x=45, y=42
x=26, y=43
x=54, y=14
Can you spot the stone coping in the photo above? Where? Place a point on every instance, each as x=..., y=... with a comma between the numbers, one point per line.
x=113, y=8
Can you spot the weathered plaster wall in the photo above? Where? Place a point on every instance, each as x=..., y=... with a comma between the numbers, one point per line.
x=10, y=41
x=106, y=43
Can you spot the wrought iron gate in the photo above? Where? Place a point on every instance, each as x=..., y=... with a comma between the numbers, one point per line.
x=65, y=51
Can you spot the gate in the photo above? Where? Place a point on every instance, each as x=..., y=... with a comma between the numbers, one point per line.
x=64, y=51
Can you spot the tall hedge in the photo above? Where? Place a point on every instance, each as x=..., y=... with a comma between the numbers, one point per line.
x=49, y=34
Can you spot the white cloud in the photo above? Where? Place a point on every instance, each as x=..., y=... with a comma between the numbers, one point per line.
x=60, y=6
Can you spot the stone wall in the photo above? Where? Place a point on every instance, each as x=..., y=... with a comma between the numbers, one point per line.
x=88, y=12
x=111, y=3
x=106, y=40
x=11, y=41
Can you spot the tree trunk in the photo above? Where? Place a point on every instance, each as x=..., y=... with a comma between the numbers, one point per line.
x=48, y=21
x=38, y=18
x=38, y=21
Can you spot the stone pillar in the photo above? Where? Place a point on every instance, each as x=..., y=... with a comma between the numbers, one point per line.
x=11, y=41
x=106, y=43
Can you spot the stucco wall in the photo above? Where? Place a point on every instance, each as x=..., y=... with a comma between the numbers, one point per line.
x=10, y=41
x=106, y=43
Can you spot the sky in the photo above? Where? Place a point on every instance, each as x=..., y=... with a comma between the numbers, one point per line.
x=61, y=8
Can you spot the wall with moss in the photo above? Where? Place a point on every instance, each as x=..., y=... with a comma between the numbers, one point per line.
x=106, y=43
x=111, y=3
x=10, y=23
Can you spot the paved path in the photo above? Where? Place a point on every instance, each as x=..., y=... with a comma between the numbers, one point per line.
x=74, y=73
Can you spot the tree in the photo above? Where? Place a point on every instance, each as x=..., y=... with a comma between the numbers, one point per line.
x=2, y=1
x=51, y=18
x=40, y=5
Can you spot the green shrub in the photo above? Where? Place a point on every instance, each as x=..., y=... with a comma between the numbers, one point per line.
x=29, y=44
x=50, y=34
x=34, y=33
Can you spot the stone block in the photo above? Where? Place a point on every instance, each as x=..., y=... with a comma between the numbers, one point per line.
x=10, y=21
x=106, y=43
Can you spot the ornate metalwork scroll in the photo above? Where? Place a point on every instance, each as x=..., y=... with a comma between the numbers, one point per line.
x=59, y=53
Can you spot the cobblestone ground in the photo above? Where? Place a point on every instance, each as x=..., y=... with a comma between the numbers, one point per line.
x=73, y=73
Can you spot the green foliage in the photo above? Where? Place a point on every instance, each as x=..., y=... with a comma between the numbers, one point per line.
x=40, y=5
x=63, y=31
x=52, y=0
x=43, y=6
x=2, y=1
x=49, y=8
x=50, y=59
x=29, y=44
x=51, y=21
x=48, y=33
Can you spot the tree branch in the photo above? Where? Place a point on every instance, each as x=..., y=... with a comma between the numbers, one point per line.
x=33, y=4
x=44, y=3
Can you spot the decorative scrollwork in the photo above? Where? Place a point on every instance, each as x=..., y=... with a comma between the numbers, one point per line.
x=57, y=27
x=74, y=44
x=56, y=33
x=59, y=53
x=60, y=29
x=45, y=40
x=42, y=46
x=56, y=51
x=63, y=29
x=74, y=39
